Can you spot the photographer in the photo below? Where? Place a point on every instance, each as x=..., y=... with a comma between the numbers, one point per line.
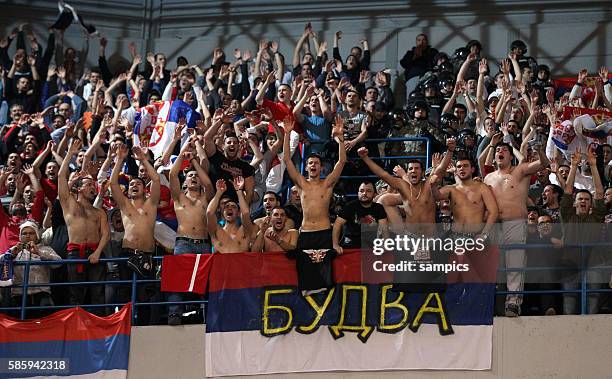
x=28, y=249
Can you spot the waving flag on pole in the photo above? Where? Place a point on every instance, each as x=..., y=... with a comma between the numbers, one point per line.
x=68, y=343
x=156, y=124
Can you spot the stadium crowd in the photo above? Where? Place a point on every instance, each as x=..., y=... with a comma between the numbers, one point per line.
x=257, y=153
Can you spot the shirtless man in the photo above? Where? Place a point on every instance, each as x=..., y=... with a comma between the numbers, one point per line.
x=471, y=202
x=314, y=250
x=274, y=234
x=270, y=201
x=88, y=230
x=414, y=192
x=190, y=205
x=231, y=238
x=138, y=212
x=510, y=185
x=190, y=208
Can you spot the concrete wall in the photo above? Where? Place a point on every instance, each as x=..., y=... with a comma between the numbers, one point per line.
x=525, y=347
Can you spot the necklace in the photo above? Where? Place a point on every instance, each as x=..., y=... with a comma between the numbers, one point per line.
x=418, y=194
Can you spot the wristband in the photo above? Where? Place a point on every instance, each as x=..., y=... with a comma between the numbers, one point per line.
x=579, y=84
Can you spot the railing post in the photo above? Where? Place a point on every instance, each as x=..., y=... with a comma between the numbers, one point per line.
x=583, y=282
x=24, y=295
x=427, y=147
x=133, y=297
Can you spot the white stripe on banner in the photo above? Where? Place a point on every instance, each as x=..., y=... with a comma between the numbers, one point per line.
x=194, y=273
x=250, y=353
x=103, y=374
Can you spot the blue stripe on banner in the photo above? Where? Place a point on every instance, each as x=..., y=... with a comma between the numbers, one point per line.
x=241, y=309
x=85, y=356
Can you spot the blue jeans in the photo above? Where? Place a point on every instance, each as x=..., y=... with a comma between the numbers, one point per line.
x=183, y=246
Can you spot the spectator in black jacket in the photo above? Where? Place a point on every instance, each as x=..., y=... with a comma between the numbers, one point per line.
x=417, y=61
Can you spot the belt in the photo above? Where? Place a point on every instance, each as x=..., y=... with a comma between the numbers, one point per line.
x=136, y=251
x=194, y=240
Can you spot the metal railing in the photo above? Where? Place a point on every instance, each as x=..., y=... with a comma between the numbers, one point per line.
x=134, y=282
x=583, y=270
x=584, y=291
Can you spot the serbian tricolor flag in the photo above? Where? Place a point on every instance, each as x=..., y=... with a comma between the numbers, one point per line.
x=154, y=125
x=259, y=323
x=70, y=343
x=186, y=273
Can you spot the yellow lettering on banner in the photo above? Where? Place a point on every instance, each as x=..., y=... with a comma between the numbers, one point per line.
x=438, y=310
x=266, y=329
x=392, y=328
x=364, y=331
x=319, y=312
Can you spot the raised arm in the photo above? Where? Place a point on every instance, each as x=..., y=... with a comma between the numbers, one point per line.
x=175, y=184
x=542, y=162
x=571, y=177
x=298, y=47
x=42, y=157
x=295, y=176
x=440, y=171
x=154, y=192
x=176, y=138
x=297, y=110
x=118, y=196
x=338, y=135
x=245, y=214
x=202, y=175
x=592, y=159
x=480, y=89
x=63, y=190
x=28, y=170
x=378, y=171
x=211, y=210
x=518, y=74
x=465, y=66
x=209, y=136
x=264, y=88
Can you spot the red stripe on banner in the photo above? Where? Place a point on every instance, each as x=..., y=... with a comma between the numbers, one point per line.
x=252, y=270
x=178, y=272
x=74, y=324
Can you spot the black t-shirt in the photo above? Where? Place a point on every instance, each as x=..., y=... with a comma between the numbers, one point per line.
x=223, y=168
x=355, y=215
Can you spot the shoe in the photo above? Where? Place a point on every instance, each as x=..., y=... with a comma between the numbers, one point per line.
x=141, y=264
x=174, y=319
x=513, y=310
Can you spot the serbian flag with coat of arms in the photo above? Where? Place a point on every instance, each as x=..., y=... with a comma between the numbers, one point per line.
x=155, y=124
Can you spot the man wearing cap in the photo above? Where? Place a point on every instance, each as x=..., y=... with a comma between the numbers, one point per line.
x=88, y=230
x=29, y=249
